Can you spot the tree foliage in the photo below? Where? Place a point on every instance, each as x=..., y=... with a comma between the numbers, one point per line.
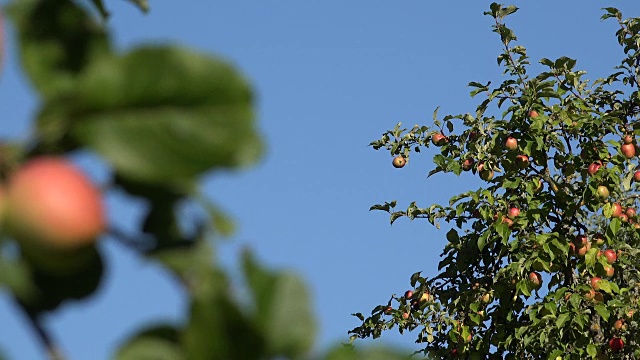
x=159, y=117
x=527, y=271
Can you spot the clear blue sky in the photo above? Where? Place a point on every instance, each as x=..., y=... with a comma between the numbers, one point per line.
x=331, y=76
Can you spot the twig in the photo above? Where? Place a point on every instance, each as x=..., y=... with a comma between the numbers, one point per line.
x=52, y=350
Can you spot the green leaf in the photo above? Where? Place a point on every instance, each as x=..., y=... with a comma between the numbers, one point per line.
x=164, y=129
x=452, y=236
x=615, y=225
x=349, y=353
x=58, y=39
x=217, y=329
x=282, y=310
x=15, y=275
x=602, y=310
x=157, y=343
x=592, y=350
x=562, y=319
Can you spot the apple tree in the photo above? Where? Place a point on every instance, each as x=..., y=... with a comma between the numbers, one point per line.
x=156, y=118
x=542, y=261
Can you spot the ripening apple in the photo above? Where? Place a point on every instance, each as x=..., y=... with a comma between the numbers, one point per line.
x=438, y=139
x=609, y=270
x=506, y=220
x=580, y=240
x=620, y=325
x=533, y=114
x=611, y=256
x=594, y=283
x=408, y=294
x=51, y=202
x=52, y=208
x=535, y=279
x=627, y=139
x=514, y=212
x=582, y=250
x=511, y=143
x=616, y=210
x=467, y=164
x=628, y=150
x=602, y=192
x=405, y=315
x=593, y=168
x=598, y=297
x=631, y=213
x=485, y=174
x=425, y=297
x=487, y=298
x=590, y=295
x=616, y=344
x=636, y=175
x=399, y=162
x=598, y=239
x=522, y=161
x=624, y=218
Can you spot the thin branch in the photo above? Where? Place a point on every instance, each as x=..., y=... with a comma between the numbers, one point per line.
x=53, y=351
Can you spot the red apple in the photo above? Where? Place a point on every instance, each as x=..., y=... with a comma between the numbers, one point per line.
x=631, y=213
x=616, y=344
x=581, y=240
x=438, y=139
x=636, y=175
x=594, y=283
x=533, y=114
x=582, y=250
x=388, y=310
x=624, y=218
x=627, y=139
x=52, y=204
x=408, y=294
x=399, y=162
x=535, y=279
x=629, y=150
x=611, y=256
x=593, y=168
x=513, y=212
x=522, y=161
x=511, y=143
x=616, y=210
x=405, y=315
x=473, y=136
x=467, y=164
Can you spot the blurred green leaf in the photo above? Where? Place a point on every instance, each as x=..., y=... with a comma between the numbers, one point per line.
x=58, y=39
x=348, y=353
x=15, y=275
x=282, y=310
x=159, y=115
x=157, y=343
x=217, y=329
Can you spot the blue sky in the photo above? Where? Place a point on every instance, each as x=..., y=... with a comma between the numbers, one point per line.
x=331, y=76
